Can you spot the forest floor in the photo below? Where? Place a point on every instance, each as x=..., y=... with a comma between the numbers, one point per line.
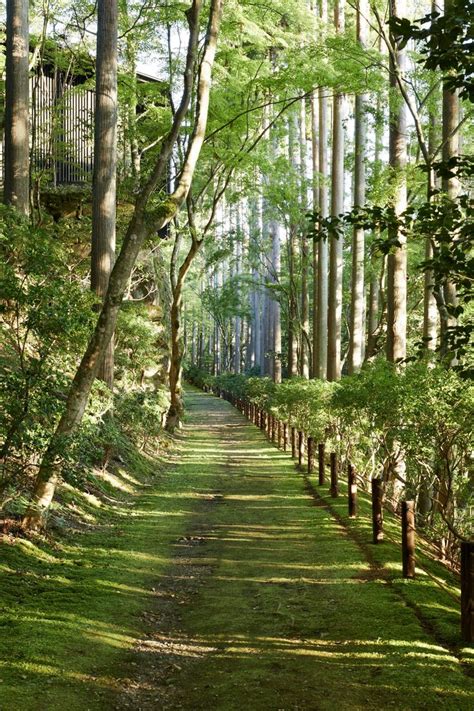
x=228, y=582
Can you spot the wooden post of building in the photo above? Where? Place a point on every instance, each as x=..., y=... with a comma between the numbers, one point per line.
x=352, y=490
x=293, y=442
x=377, y=510
x=467, y=591
x=408, y=538
x=321, y=457
x=334, y=481
x=285, y=436
x=310, y=455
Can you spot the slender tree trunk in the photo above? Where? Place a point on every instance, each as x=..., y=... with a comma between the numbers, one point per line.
x=17, y=149
x=105, y=164
x=337, y=208
x=451, y=186
x=276, y=265
x=315, y=158
x=304, y=350
x=430, y=310
x=137, y=232
x=357, y=316
x=175, y=411
x=238, y=320
x=397, y=259
x=373, y=308
x=292, y=306
x=323, y=247
x=293, y=328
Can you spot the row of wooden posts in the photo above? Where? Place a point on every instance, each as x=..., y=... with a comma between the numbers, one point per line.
x=286, y=436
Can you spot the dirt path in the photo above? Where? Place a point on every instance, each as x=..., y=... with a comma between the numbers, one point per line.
x=267, y=604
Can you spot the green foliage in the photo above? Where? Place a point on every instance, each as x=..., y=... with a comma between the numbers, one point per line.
x=421, y=411
x=447, y=43
x=46, y=320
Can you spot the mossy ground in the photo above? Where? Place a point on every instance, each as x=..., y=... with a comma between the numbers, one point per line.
x=223, y=586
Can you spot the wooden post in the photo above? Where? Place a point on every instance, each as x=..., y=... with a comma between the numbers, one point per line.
x=300, y=449
x=377, y=510
x=321, y=457
x=334, y=482
x=285, y=436
x=352, y=489
x=310, y=455
x=408, y=538
x=467, y=591
x=293, y=442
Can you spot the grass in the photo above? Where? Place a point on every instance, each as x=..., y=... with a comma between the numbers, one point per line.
x=233, y=578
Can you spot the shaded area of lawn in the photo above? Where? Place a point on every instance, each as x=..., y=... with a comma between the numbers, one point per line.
x=222, y=586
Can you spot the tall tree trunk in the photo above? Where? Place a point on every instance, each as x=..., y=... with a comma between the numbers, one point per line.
x=304, y=348
x=293, y=325
x=104, y=189
x=323, y=247
x=175, y=410
x=16, y=189
x=238, y=320
x=451, y=186
x=357, y=317
x=138, y=230
x=292, y=306
x=430, y=310
x=276, y=330
x=397, y=259
x=315, y=166
x=336, y=241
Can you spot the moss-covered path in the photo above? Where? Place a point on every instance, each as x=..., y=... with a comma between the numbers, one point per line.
x=268, y=604
x=221, y=584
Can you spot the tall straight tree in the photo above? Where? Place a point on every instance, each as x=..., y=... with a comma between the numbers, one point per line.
x=397, y=259
x=357, y=316
x=104, y=186
x=304, y=347
x=291, y=245
x=315, y=168
x=430, y=311
x=138, y=230
x=450, y=185
x=337, y=207
x=17, y=165
x=323, y=199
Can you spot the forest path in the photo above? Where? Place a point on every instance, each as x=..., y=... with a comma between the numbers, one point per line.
x=266, y=603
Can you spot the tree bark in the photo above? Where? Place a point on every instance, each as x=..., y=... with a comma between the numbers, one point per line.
x=137, y=232
x=357, y=315
x=397, y=259
x=337, y=208
x=175, y=410
x=323, y=247
x=104, y=187
x=315, y=165
x=16, y=190
x=450, y=185
x=304, y=350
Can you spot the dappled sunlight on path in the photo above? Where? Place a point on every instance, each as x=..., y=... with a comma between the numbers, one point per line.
x=270, y=605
